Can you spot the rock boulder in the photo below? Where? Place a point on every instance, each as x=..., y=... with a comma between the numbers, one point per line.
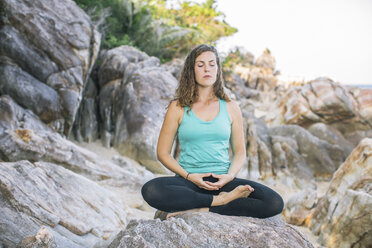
x=323, y=100
x=199, y=230
x=343, y=217
x=132, y=103
x=39, y=194
x=23, y=136
x=47, y=50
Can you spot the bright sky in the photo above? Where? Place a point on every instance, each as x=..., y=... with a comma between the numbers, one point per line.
x=308, y=38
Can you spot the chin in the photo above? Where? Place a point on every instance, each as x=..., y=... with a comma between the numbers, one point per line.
x=207, y=83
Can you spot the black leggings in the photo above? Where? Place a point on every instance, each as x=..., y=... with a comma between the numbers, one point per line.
x=173, y=194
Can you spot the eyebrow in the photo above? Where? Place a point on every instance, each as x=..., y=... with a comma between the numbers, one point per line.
x=213, y=60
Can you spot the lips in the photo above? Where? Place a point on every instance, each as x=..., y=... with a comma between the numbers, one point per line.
x=207, y=76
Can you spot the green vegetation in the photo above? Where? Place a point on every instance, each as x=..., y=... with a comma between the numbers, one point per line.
x=238, y=56
x=155, y=28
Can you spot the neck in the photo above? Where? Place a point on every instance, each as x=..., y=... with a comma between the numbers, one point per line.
x=206, y=95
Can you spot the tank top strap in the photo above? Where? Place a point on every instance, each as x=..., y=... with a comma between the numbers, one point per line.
x=224, y=109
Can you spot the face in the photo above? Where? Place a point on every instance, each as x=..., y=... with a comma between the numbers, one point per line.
x=206, y=69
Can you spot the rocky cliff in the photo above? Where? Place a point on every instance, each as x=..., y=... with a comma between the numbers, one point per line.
x=54, y=99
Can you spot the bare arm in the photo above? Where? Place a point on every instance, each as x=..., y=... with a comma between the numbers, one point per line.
x=237, y=140
x=166, y=138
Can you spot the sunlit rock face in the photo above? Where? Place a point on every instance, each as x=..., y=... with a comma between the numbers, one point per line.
x=343, y=217
x=47, y=51
x=249, y=78
x=322, y=100
x=266, y=60
x=298, y=207
x=196, y=230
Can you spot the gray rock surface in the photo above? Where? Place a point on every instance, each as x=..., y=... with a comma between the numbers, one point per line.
x=210, y=230
x=321, y=157
x=132, y=103
x=115, y=61
x=47, y=49
x=332, y=136
x=40, y=193
x=258, y=147
x=86, y=125
x=23, y=136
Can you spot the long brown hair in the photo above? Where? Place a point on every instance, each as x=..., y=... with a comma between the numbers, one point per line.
x=186, y=93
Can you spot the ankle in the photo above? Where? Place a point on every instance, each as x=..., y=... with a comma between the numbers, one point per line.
x=219, y=200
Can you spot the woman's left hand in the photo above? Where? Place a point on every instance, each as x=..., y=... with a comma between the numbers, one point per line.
x=222, y=180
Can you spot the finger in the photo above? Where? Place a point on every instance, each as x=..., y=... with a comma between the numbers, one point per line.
x=216, y=176
x=216, y=184
x=209, y=187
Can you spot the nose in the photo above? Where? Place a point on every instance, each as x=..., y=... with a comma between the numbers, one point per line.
x=206, y=68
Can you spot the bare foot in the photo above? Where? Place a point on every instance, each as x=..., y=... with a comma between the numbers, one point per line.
x=223, y=198
x=187, y=211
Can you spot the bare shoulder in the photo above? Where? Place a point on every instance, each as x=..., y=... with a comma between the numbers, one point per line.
x=232, y=104
x=233, y=110
x=233, y=107
x=175, y=111
x=175, y=106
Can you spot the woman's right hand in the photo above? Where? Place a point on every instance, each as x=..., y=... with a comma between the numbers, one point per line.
x=197, y=179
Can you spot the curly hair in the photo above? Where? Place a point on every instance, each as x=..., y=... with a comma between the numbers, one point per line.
x=187, y=91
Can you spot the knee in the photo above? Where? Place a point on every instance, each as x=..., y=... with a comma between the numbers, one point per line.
x=146, y=191
x=151, y=191
x=277, y=205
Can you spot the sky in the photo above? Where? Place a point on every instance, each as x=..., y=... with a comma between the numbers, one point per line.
x=308, y=38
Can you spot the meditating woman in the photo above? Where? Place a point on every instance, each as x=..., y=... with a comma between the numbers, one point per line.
x=206, y=122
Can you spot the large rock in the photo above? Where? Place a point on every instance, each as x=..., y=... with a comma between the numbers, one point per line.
x=39, y=194
x=237, y=85
x=132, y=103
x=210, y=230
x=298, y=207
x=321, y=157
x=174, y=67
x=266, y=60
x=343, y=218
x=23, y=136
x=255, y=77
x=332, y=136
x=322, y=100
x=363, y=98
x=115, y=61
x=47, y=50
x=86, y=123
x=259, y=154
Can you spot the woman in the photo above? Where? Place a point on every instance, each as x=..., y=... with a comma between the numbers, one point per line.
x=206, y=122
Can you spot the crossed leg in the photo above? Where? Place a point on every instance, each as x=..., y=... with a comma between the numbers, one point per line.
x=177, y=195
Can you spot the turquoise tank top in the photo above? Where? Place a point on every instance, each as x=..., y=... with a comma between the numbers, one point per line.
x=204, y=144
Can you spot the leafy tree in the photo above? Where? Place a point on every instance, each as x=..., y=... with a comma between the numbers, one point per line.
x=155, y=28
x=203, y=23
